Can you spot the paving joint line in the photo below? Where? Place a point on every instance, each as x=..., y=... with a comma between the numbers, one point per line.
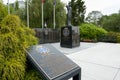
x=116, y=74
x=100, y=64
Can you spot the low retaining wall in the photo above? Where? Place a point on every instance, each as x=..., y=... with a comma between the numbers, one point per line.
x=47, y=35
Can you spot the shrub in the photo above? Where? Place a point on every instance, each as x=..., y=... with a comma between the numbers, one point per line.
x=3, y=11
x=1, y=65
x=14, y=38
x=118, y=38
x=90, y=31
x=13, y=70
x=32, y=74
x=110, y=37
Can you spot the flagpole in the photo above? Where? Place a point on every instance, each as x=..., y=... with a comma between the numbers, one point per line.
x=54, y=4
x=54, y=17
x=8, y=8
x=27, y=14
x=42, y=15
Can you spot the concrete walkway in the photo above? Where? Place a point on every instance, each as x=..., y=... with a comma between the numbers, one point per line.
x=99, y=61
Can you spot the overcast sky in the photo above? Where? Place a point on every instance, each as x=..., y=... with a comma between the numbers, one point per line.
x=105, y=6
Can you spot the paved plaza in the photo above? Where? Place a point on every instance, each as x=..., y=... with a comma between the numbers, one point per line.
x=99, y=61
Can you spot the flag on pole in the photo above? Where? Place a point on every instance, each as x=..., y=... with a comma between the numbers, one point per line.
x=54, y=2
x=43, y=1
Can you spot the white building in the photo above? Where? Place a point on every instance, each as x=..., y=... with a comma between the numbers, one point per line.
x=21, y=4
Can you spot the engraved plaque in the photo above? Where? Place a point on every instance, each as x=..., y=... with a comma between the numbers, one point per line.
x=70, y=37
x=51, y=62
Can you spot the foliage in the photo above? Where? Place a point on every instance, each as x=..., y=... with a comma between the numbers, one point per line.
x=118, y=38
x=90, y=31
x=78, y=11
x=1, y=1
x=94, y=17
x=1, y=64
x=32, y=74
x=14, y=38
x=110, y=37
x=19, y=11
x=13, y=70
x=35, y=13
x=16, y=5
x=3, y=11
x=111, y=22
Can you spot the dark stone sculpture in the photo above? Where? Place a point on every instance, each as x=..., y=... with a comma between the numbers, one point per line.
x=70, y=36
x=69, y=14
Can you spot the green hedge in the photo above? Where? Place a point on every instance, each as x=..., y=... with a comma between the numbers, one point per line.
x=118, y=38
x=110, y=37
x=14, y=38
x=90, y=31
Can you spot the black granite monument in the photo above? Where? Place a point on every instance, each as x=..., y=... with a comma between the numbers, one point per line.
x=69, y=34
x=53, y=64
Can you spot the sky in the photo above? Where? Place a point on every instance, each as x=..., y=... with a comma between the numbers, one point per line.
x=106, y=7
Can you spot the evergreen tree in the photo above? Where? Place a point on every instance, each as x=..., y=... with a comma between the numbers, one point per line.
x=78, y=11
x=16, y=5
x=14, y=39
x=1, y=1
x=35, y=13
x=3, y=10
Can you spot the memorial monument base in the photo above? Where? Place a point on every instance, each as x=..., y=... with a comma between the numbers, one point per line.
x=70, y=37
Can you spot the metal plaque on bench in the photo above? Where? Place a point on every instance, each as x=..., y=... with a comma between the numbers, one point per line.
x=53, y=64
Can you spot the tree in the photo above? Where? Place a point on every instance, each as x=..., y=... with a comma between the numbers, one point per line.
x=16, y=10
x=1, y=1
x=16, y=5
x=94, y=17
x=3, y=10
x=35, y=13
x=78, y=11
x=111, y=22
